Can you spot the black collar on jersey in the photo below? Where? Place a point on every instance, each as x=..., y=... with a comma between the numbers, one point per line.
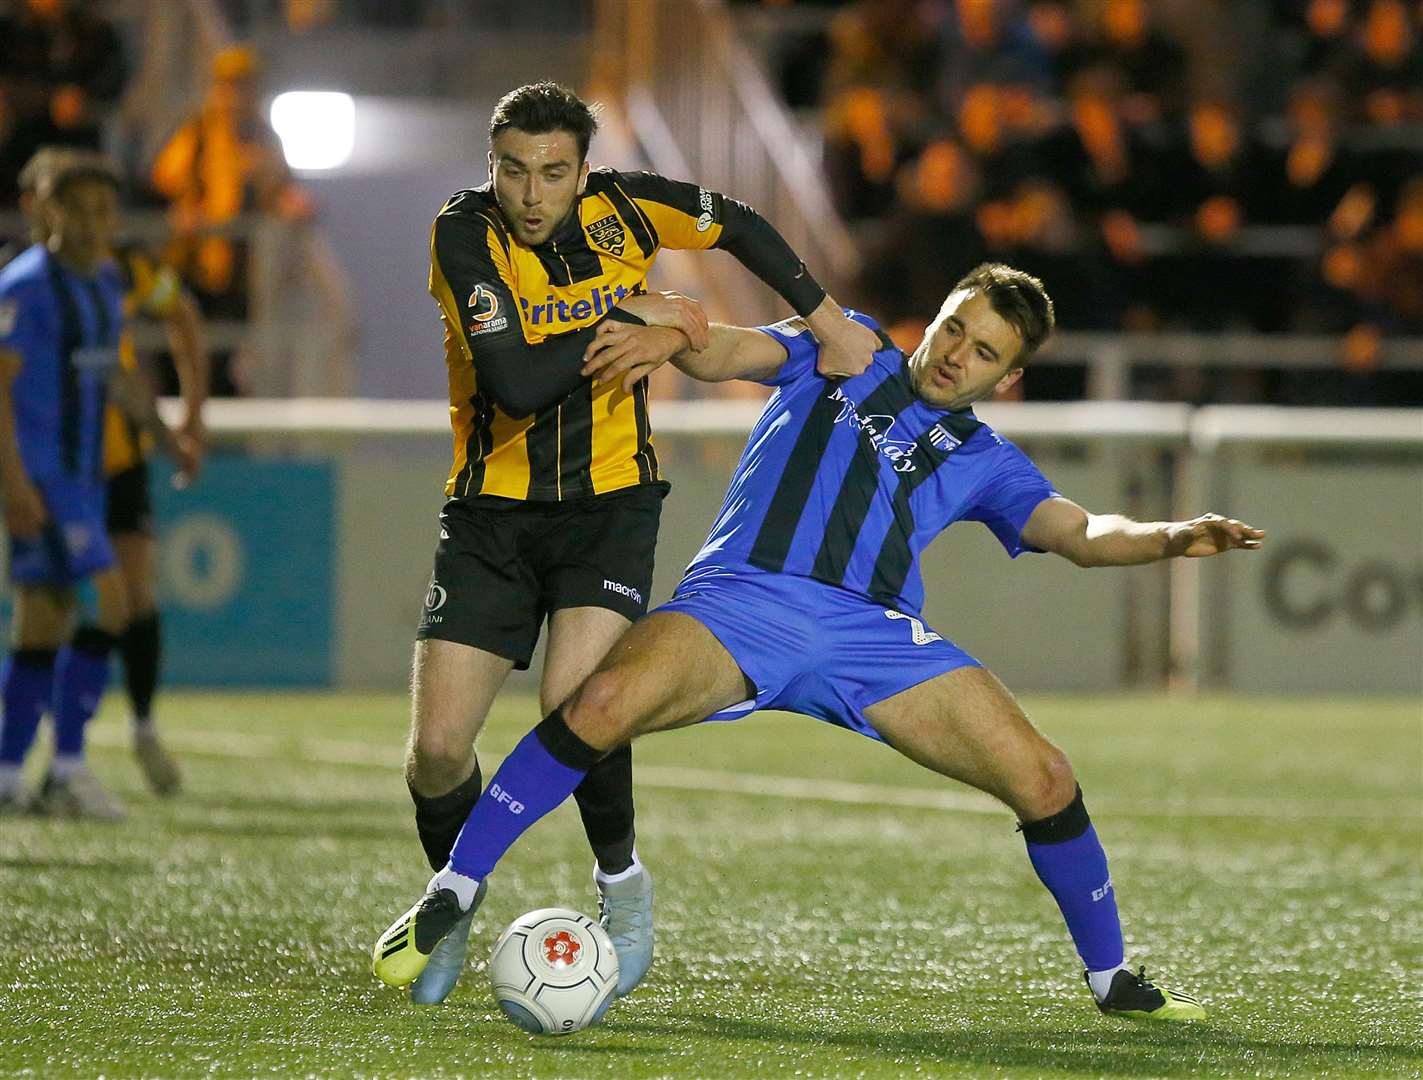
x=566, y=232
x=566, y=255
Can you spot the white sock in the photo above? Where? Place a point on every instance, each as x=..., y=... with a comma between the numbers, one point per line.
x=65, y=765
x=9, y=779
x=621, y=875
x=463, y=887
x=1101, y=981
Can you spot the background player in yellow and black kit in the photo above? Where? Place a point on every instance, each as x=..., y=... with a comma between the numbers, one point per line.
x=555, y=492
x=153, y=290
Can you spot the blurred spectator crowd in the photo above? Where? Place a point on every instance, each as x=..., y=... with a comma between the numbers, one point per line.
x=1198, y=165
x=62, y=70
x=215, y=174
x=1174, y=165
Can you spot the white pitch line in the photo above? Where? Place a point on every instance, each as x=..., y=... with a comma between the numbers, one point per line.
x=317, y=751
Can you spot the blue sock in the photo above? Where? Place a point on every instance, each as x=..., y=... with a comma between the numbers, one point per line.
x=26, y=687
x=81, y=672
x=540, y=773
x=1069, y=859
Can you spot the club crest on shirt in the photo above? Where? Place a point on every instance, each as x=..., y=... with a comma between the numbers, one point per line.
x=943, y=439
x=608, y=233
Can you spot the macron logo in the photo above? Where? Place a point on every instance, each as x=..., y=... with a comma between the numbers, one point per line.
x=623, y=590
x=499, y=795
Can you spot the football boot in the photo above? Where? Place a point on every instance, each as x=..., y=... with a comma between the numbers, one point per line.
x=1136, y=998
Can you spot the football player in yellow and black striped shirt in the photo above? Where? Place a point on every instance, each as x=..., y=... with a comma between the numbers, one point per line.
x=152, y=290
x=555, y=491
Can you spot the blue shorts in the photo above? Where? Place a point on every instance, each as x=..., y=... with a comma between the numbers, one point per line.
x=75, y=542
x=813, y=648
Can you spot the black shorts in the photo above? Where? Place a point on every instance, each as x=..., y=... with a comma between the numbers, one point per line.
x=130, y=508
x=502, y=566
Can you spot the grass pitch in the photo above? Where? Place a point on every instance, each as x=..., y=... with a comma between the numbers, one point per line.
x=824, y=907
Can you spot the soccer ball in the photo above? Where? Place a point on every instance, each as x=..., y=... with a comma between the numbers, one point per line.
x=553, y=971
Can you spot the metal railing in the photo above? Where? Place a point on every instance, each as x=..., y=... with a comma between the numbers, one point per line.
x=701, y=109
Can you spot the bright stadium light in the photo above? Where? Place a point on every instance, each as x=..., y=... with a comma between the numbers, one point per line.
x=317, y=127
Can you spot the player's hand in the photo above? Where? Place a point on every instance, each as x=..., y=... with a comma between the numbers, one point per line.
x=188, y=457
x=1211, y=534
x=25, y=511
x=193, y=442
x=621, y=350
x=846, y=347
x=673, y=310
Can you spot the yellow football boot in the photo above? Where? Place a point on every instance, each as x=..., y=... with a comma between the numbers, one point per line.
x=401, y=953
x=1136, y=998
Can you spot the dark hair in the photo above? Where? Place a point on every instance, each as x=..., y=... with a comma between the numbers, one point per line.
x=74, y=168
x=1018, y=298
x=546, y=106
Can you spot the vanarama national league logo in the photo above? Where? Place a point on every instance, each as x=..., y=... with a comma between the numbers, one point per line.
x=483, y=306
x=707, y=218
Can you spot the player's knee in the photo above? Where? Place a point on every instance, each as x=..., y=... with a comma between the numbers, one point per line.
x=1047, y=786
x=437, y=759
x=600, y=711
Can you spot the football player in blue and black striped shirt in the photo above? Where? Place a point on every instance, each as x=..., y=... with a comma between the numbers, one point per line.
x=61, y=315
x=61, y=323
x=806, y=597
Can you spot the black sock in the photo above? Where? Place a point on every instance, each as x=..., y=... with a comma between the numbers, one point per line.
x=439, y=818
x=605, y=803
x=141, y=649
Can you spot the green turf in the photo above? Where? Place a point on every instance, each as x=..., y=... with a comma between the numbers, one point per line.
x=1267, y=856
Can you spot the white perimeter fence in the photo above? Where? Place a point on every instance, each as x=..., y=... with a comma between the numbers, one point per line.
x=1334, y=604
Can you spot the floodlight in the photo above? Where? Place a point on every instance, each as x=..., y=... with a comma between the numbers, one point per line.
x=317, y=127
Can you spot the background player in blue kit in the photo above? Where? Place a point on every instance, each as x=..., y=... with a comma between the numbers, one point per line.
x=806, y=597
x=61, y=320
x=152, y=290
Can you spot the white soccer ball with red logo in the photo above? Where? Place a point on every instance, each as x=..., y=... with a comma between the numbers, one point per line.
x=553, y=971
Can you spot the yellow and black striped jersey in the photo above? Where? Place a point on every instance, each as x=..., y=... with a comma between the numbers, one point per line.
x=150, y=288
x=517, y=319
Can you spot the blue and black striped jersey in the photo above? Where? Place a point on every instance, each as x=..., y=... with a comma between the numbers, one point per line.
x=848, y=481
x=65, y=327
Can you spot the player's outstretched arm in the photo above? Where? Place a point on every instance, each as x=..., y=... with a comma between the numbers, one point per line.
x=1061, y=526
x=733, y=352
x=677, y=329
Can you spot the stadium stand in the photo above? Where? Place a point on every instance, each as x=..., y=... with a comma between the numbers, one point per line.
x=1171, y=168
